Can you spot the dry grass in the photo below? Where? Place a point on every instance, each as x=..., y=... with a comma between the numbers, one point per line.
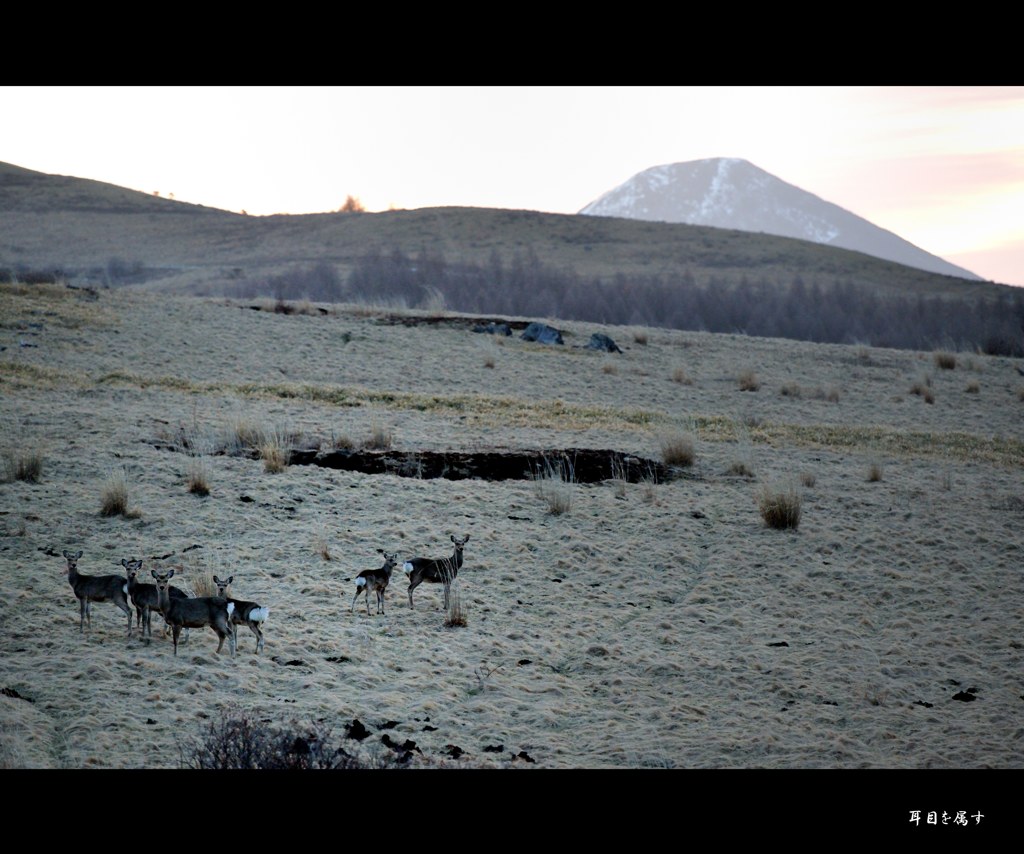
x=609, y=368
x=320, y=545
x=747, y=381
x=680, y=376
x=23, y=465
x=274, y=452
x=242, y=436
x=197, y=479
x=808, y=479
x=641, y=337
x=791, y=390
x=779, y=507
x=455, y=616
x=678, y=449
x=973, y=387
x=554, y=485
x=114, y=495
x=380, y=439
x=945, y=361
x=923, y=388
x=739, y=468
x=589, y=613
x=874, y=473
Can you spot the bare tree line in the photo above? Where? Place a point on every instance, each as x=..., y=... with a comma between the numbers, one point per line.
x=821, y=311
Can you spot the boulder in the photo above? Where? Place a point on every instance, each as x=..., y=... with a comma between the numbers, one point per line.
x=542, y=334
x=602, y=342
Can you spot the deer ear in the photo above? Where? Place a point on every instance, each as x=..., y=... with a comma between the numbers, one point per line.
x=153, y=573
x=77, y=556
x=170, y=574
x=124, y=563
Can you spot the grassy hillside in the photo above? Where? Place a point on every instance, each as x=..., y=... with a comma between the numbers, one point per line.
x=657, y=622
x=81, y=226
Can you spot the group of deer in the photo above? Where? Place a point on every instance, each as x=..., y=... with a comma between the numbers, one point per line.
x=180, y=611
x=419, y=569
x=222, y=613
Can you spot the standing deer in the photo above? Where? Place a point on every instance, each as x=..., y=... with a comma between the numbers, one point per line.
x=212, y=611
x=375, y=581
x=96, y=588
x=145, y=597
x=246, y=613
x=442, y=571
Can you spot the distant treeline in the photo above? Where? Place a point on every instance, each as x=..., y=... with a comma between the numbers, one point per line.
x=826, y=312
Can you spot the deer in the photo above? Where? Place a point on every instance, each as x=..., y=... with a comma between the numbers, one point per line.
x=145, y=597
x=195, y=613
x=435, y=571
x=246, y=613
x=96, y=588
x=375, y=581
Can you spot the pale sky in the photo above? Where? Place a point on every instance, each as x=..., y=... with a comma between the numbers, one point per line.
x=942, y=167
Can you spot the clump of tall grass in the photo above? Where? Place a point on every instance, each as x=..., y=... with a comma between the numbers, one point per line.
x=945, y=361
x=680, y=376
x=779, y=506
x=380, y=439
x=197, y=479
x=23, y=465
x=923, y=389
x=114, y=495
x=748, y=381
x=455, y=616
x=274, y=451
x=553, y=483
x=678, y=449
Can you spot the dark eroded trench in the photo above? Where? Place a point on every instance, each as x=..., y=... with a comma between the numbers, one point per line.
x=580, y=465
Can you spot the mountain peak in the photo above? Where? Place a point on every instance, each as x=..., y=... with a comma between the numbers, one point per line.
x=730, y=192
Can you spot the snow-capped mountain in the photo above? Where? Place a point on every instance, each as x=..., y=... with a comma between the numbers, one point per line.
x=733, y=193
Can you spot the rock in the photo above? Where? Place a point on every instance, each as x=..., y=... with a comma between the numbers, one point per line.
x=602, y=342
x=542, y=334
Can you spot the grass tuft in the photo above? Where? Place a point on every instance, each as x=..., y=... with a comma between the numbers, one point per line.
x=748, y=381
x=24, y=465
x=678, y=449
x=780, y=508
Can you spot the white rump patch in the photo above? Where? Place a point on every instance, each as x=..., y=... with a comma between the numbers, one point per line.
x=258, y=615
x=231, y=608
x=125, y=589
x=407, y=566
x=360, y=582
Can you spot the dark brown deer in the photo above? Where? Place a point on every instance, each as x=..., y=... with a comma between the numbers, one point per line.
x=196, y=613
x=245, y=614
x=145, y=597
x=435, y=571
x=96, y=588
x=375, y=581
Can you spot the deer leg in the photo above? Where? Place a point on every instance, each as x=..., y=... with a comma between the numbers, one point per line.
x=175, y=631
x=412, y=586
x=259, y=636
x=81, y=616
